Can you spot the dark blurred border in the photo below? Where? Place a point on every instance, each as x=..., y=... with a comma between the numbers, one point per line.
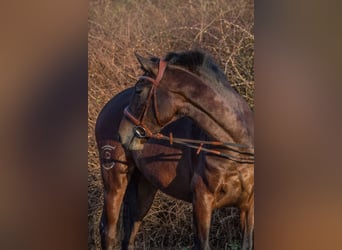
x=298, y=122
x=43, y=99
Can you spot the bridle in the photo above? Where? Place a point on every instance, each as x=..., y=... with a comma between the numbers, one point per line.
x=142, y=131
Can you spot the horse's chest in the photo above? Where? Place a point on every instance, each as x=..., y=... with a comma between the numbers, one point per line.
x=165, y=167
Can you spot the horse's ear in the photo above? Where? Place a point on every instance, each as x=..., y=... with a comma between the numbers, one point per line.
x=147, y=64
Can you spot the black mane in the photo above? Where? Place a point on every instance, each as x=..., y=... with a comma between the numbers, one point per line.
x=198, y=63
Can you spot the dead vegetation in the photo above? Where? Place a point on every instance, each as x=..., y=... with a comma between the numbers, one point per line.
x=154, y=27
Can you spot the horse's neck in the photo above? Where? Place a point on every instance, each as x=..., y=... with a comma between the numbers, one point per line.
x=220, y=111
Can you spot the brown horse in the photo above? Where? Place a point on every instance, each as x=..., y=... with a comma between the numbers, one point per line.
x=120, y=168
x=168, y=92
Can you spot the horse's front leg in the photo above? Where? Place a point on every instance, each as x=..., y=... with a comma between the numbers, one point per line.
x=202, y=209
x=247, y=222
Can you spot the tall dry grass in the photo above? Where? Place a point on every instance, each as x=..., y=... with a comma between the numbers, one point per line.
x=118, y=28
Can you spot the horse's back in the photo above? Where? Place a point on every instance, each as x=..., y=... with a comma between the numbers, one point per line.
x=108, y=121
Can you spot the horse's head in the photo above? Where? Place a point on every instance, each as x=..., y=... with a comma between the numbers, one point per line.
x=153, y=105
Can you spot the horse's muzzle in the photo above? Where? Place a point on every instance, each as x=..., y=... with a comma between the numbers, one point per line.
x=131, y=137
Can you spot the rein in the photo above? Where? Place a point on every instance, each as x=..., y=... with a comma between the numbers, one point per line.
x=142, y=131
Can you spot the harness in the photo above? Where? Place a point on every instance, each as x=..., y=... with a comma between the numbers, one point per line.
x=142, y=131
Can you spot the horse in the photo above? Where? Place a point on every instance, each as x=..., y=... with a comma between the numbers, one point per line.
x=225, y=175
x=122, y=179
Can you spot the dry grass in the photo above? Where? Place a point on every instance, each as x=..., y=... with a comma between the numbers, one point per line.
x=117, y=29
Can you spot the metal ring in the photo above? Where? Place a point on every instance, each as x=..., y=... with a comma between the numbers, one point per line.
x=139, y=132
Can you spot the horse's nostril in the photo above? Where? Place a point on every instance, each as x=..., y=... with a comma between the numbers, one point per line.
x=118, y=138
x=139, y=132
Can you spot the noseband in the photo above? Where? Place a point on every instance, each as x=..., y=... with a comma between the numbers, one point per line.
x=141, y=129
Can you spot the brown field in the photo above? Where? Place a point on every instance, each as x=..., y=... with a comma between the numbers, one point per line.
x=116, y=29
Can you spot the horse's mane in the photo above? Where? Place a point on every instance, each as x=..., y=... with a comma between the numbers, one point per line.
x=199, y=63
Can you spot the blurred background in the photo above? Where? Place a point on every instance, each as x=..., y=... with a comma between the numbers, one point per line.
x=43, y=125
x=117, y=29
